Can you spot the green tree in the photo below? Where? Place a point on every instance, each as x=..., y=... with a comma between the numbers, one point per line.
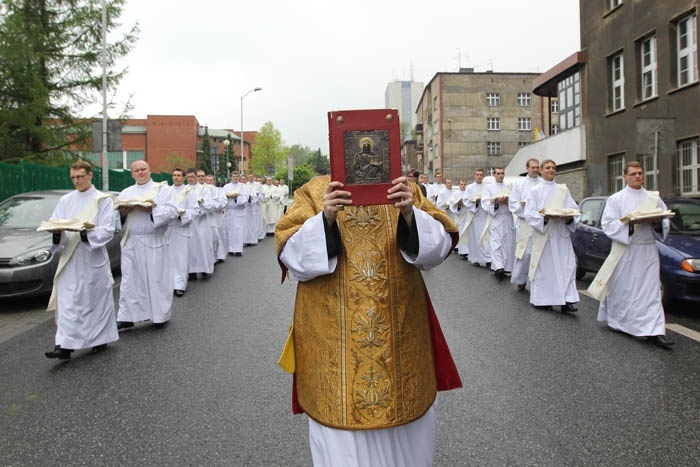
x=301, y=154
x=320, y=163
x=302, y=174
x=268, y=153
x=50, y=70
x=204, y=153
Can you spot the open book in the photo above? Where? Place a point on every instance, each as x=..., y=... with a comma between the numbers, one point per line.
x=565, y=212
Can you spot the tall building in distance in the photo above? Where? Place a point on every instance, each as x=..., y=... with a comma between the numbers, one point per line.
x=404, y=97
x=468, y=120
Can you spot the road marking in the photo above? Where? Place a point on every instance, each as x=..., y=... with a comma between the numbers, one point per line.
x=689, y=333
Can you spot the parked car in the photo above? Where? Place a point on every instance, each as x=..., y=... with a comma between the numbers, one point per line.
x=28, y=259
x=679, y=254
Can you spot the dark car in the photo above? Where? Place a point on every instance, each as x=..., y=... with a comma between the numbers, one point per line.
x=679, y=254
x=27, y=258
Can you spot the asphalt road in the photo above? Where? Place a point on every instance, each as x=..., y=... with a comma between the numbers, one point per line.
x=540, y=388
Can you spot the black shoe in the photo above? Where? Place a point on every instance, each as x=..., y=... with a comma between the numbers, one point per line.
x=270, y=234
x=179, y=293
x=192, y=276
x=239, y=254
x=219, y=261
x=230, y=253
x=569, y=307
x=476, y=264
x=521, y=287
x=125, y=324
x=488, y=265
x=59, y=353
x=543, y=307
x=661, y=341
x=205, y=276
x=464, y=257
x=160, y=325
x=99, y=348
x=500, y=274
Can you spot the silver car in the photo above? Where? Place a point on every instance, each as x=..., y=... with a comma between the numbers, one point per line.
x=27, y=258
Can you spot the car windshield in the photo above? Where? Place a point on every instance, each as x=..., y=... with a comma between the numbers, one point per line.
x=26, y=212
x=687, y=218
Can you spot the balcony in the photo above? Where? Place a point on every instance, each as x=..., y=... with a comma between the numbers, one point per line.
x=563, y=148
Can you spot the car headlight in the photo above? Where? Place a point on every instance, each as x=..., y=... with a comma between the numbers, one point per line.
x=34, y=257
x=691, y=265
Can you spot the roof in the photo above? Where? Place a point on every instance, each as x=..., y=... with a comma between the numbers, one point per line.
x=546, y=84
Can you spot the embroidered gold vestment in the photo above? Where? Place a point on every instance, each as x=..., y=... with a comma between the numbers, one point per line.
x=362, y=336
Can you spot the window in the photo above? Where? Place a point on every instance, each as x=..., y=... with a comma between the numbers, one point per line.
x=617, y=83
x=554, y=105
x=493, y=123
x=524, y=99
x=554, y=129
x=434, y=102
x=569, y=101
x=493, y=148
x=524, y=123
x=647, y=68
x=687, y=50
x=689, y=166
x=650, y=171
x=616, y=165
x=522, y=144
x=612, y=4
x=493, y=99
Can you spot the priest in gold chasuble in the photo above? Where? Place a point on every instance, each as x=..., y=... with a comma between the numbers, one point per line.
x=368, y=352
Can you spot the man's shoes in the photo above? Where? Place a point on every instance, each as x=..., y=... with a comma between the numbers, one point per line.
x=500, y=274
x=464, y=257
x=206, y=276
x=179, y=293
x=192, y=276
x=99, y=348
x=230, y=253
x=270, y=234
x=59, y=353
x=238, y=254
x=661, y=340
x=488, y=265
x=569, y=307
x=125, y=324
x=219, y=261
x=160, y=325
x=543, y=307
x=521, y=287
x=476, y=264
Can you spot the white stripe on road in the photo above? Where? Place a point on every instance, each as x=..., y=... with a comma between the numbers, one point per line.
x=682, y=330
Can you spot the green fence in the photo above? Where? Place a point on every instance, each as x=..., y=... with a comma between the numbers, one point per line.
x=26, y=176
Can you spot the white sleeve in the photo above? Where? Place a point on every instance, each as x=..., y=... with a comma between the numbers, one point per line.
x=435, y=242
x=305, y=254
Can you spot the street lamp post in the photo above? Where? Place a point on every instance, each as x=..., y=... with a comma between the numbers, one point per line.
x=242, y=139
x=227, y=143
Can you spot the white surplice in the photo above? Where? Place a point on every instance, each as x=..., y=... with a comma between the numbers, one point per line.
x=478, y=252
x=410, y=445
x=501, y=229
x=632, y=302
x=443, y=202
x=235, y=216
x=254, y=222
x=516, y=204
x=180, y=232
x=146, y=291
x=85, y=307
x=554, y=282
x=202, y=244
x=458, y=208
x=216, y=221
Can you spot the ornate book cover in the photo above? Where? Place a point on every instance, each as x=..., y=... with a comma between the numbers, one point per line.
x=365, y=152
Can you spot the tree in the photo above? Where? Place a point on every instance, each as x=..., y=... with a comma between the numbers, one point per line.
x=50, y=70
x=321, y=164
x=204, y=153
x=175, y=161
x=268, y=153
x=302, y=174
x=301, y=154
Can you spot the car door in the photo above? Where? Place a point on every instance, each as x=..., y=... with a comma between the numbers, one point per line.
x=592, y=245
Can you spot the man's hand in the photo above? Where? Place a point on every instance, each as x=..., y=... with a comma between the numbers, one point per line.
x=334, y=200
x=402, y=195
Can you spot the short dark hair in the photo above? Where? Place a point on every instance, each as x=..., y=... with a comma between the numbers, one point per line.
x=85, y=165
x=632, y=164
x=191, y=171
x=178, y=169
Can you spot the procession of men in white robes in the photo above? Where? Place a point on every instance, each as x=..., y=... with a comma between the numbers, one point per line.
x=523, y=231
x=500, y=230
x=180, y=230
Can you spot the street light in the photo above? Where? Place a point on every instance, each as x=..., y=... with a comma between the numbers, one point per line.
x=227, y=143
x=252, y=90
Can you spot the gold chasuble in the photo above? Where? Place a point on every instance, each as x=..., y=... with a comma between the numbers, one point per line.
x=364, y=336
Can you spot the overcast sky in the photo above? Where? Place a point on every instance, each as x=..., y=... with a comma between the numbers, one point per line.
x=312, y=56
